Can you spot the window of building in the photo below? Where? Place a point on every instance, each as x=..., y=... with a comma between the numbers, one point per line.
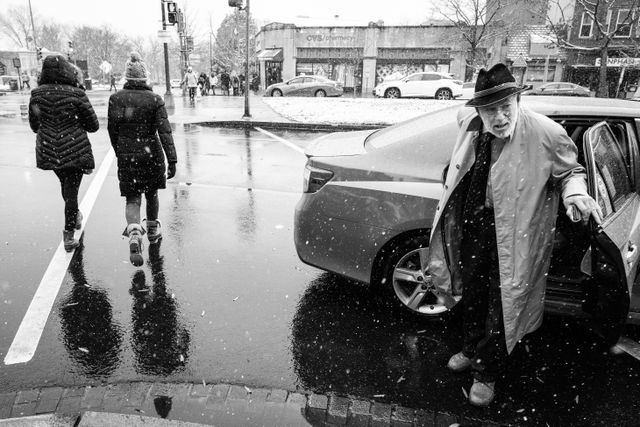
x=586, y=26
x=623, y=26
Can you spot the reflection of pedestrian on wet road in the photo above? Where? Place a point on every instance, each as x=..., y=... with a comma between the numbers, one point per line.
x=140, y=131
x=160, y=341
x=89, y=333
x=493, y=231
x=61, y=115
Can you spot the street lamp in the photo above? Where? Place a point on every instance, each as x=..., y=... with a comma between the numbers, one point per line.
x=238, y=4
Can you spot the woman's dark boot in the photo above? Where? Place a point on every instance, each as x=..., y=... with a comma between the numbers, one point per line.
x=69, y=240
x=135, y=232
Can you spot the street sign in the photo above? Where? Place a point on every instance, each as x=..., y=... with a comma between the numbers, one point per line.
x=16, y=62
x=164, y=36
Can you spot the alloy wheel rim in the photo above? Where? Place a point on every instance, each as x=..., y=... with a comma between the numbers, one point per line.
x=415, y=289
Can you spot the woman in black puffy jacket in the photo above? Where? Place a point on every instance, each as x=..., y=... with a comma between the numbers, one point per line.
x=61, y=115
x=140, y=134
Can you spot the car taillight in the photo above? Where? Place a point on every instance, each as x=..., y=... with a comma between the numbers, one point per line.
x=315, y=178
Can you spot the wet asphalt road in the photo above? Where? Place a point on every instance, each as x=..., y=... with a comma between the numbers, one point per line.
x=225, y=298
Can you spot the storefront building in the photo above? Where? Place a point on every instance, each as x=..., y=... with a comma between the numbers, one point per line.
x=623, y=62
x=358, y=57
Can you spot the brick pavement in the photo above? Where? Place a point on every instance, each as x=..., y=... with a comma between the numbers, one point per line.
x=145, y=403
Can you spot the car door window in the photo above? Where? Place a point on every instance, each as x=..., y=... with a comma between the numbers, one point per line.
x=613, y=183
x=295, y=81
x=430, y=77
x=414, y=78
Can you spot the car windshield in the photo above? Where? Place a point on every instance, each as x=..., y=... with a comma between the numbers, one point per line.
x=441, y=124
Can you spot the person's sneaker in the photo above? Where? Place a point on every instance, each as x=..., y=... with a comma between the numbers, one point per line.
x=69, y=240
x=79, y=220
x=134, y=231
x=154, y=231
x=459, y=362
x=482, y=393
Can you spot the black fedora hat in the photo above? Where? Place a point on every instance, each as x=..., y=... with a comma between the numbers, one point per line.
x=493, y=86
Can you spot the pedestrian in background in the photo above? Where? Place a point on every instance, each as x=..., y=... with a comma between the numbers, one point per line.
x=140, y=134
x=214, y=83
x=113, y=83
x=61, y=115
x=25, y=80
x=191, y=81
x=235, y=83
x=225, y=82
x=492, y=235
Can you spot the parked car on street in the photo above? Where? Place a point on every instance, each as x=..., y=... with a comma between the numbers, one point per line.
x=559, y=89
x=468, y=88
x=305, y=86
x=428, y=84
x=369, y=198
x=175, y=82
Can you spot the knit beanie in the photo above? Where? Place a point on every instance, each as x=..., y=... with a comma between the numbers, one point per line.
x=135, y=69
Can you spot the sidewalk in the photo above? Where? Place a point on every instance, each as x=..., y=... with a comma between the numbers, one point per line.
x=164, y=404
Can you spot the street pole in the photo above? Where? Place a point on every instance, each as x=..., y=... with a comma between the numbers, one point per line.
x=166, y=52
x=246, y=68
x=33, y=31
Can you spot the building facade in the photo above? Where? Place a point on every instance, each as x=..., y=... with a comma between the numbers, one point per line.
x=359, y=57
x=623, y=63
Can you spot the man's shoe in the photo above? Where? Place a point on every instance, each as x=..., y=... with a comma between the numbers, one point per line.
x=154, y=231
x=135, y=231
x=482, y=393
x=459, y=362
x=69, y=240
x=79, y=220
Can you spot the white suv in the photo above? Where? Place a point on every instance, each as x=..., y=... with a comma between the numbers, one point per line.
x=424, y=84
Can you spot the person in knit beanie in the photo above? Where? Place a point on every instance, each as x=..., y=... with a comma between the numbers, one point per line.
x=135, y=69
x=141, y=137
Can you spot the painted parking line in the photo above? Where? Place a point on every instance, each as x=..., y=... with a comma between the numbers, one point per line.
x=284, y=141
x=26, y=341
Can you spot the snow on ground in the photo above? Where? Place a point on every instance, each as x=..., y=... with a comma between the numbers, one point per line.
x=345, y=110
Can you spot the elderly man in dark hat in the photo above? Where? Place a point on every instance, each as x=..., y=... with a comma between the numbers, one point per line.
x=492, y=234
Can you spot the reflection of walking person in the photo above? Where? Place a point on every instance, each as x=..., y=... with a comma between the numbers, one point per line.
x=140, y=131
x=191, y=81
x=25, y=80
x=492, y=236
x=61, y=115
x=90, y=334
x=160, y=340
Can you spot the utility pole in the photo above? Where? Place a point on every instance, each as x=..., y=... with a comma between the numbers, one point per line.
x=247, y=114
x=166, y=52
x=33, y=31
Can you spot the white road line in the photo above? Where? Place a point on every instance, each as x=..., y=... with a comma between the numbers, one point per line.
x=28, y=336
x=284, y=141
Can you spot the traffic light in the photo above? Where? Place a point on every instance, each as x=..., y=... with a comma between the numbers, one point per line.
x=172, y=13
x=70, y=44
x=236, y=3
x=39, y=53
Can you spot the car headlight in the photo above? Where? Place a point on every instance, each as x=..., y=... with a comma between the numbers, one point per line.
x=315, y=178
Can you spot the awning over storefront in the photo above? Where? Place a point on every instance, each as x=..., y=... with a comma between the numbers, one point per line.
x=270, y=55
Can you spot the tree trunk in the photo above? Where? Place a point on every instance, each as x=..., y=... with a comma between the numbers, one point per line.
x=470, y=65
x=603, y=85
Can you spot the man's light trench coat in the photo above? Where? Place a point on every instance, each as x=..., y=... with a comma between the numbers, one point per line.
x=534, y=165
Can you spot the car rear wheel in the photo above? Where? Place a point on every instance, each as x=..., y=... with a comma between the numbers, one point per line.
x=276, y=92
x=320, y=93
x=444, y=94
x=404, y=281
x=392, y=93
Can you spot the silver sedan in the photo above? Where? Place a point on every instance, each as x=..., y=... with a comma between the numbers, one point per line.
x=370, y=196
x=305, y=86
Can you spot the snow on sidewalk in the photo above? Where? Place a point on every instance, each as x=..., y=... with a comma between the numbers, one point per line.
x=346, y=110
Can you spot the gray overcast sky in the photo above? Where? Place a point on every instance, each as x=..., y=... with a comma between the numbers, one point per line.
x=142, y=17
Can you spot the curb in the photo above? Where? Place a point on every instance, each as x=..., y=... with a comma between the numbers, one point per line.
x=222, y=404
x=246, y=124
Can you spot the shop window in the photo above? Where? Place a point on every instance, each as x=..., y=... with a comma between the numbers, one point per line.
x=623, y=23
x=586, y=26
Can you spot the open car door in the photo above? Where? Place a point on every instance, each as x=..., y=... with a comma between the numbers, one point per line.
x=615, y=243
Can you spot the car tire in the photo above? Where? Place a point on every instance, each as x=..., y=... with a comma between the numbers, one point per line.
x=320, y=93
x=276, y=92
x=392, y=92
x=399, y=280
x=444, y=94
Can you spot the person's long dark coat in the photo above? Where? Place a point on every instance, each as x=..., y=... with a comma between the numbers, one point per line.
x=140, y=134
x=61, y=115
